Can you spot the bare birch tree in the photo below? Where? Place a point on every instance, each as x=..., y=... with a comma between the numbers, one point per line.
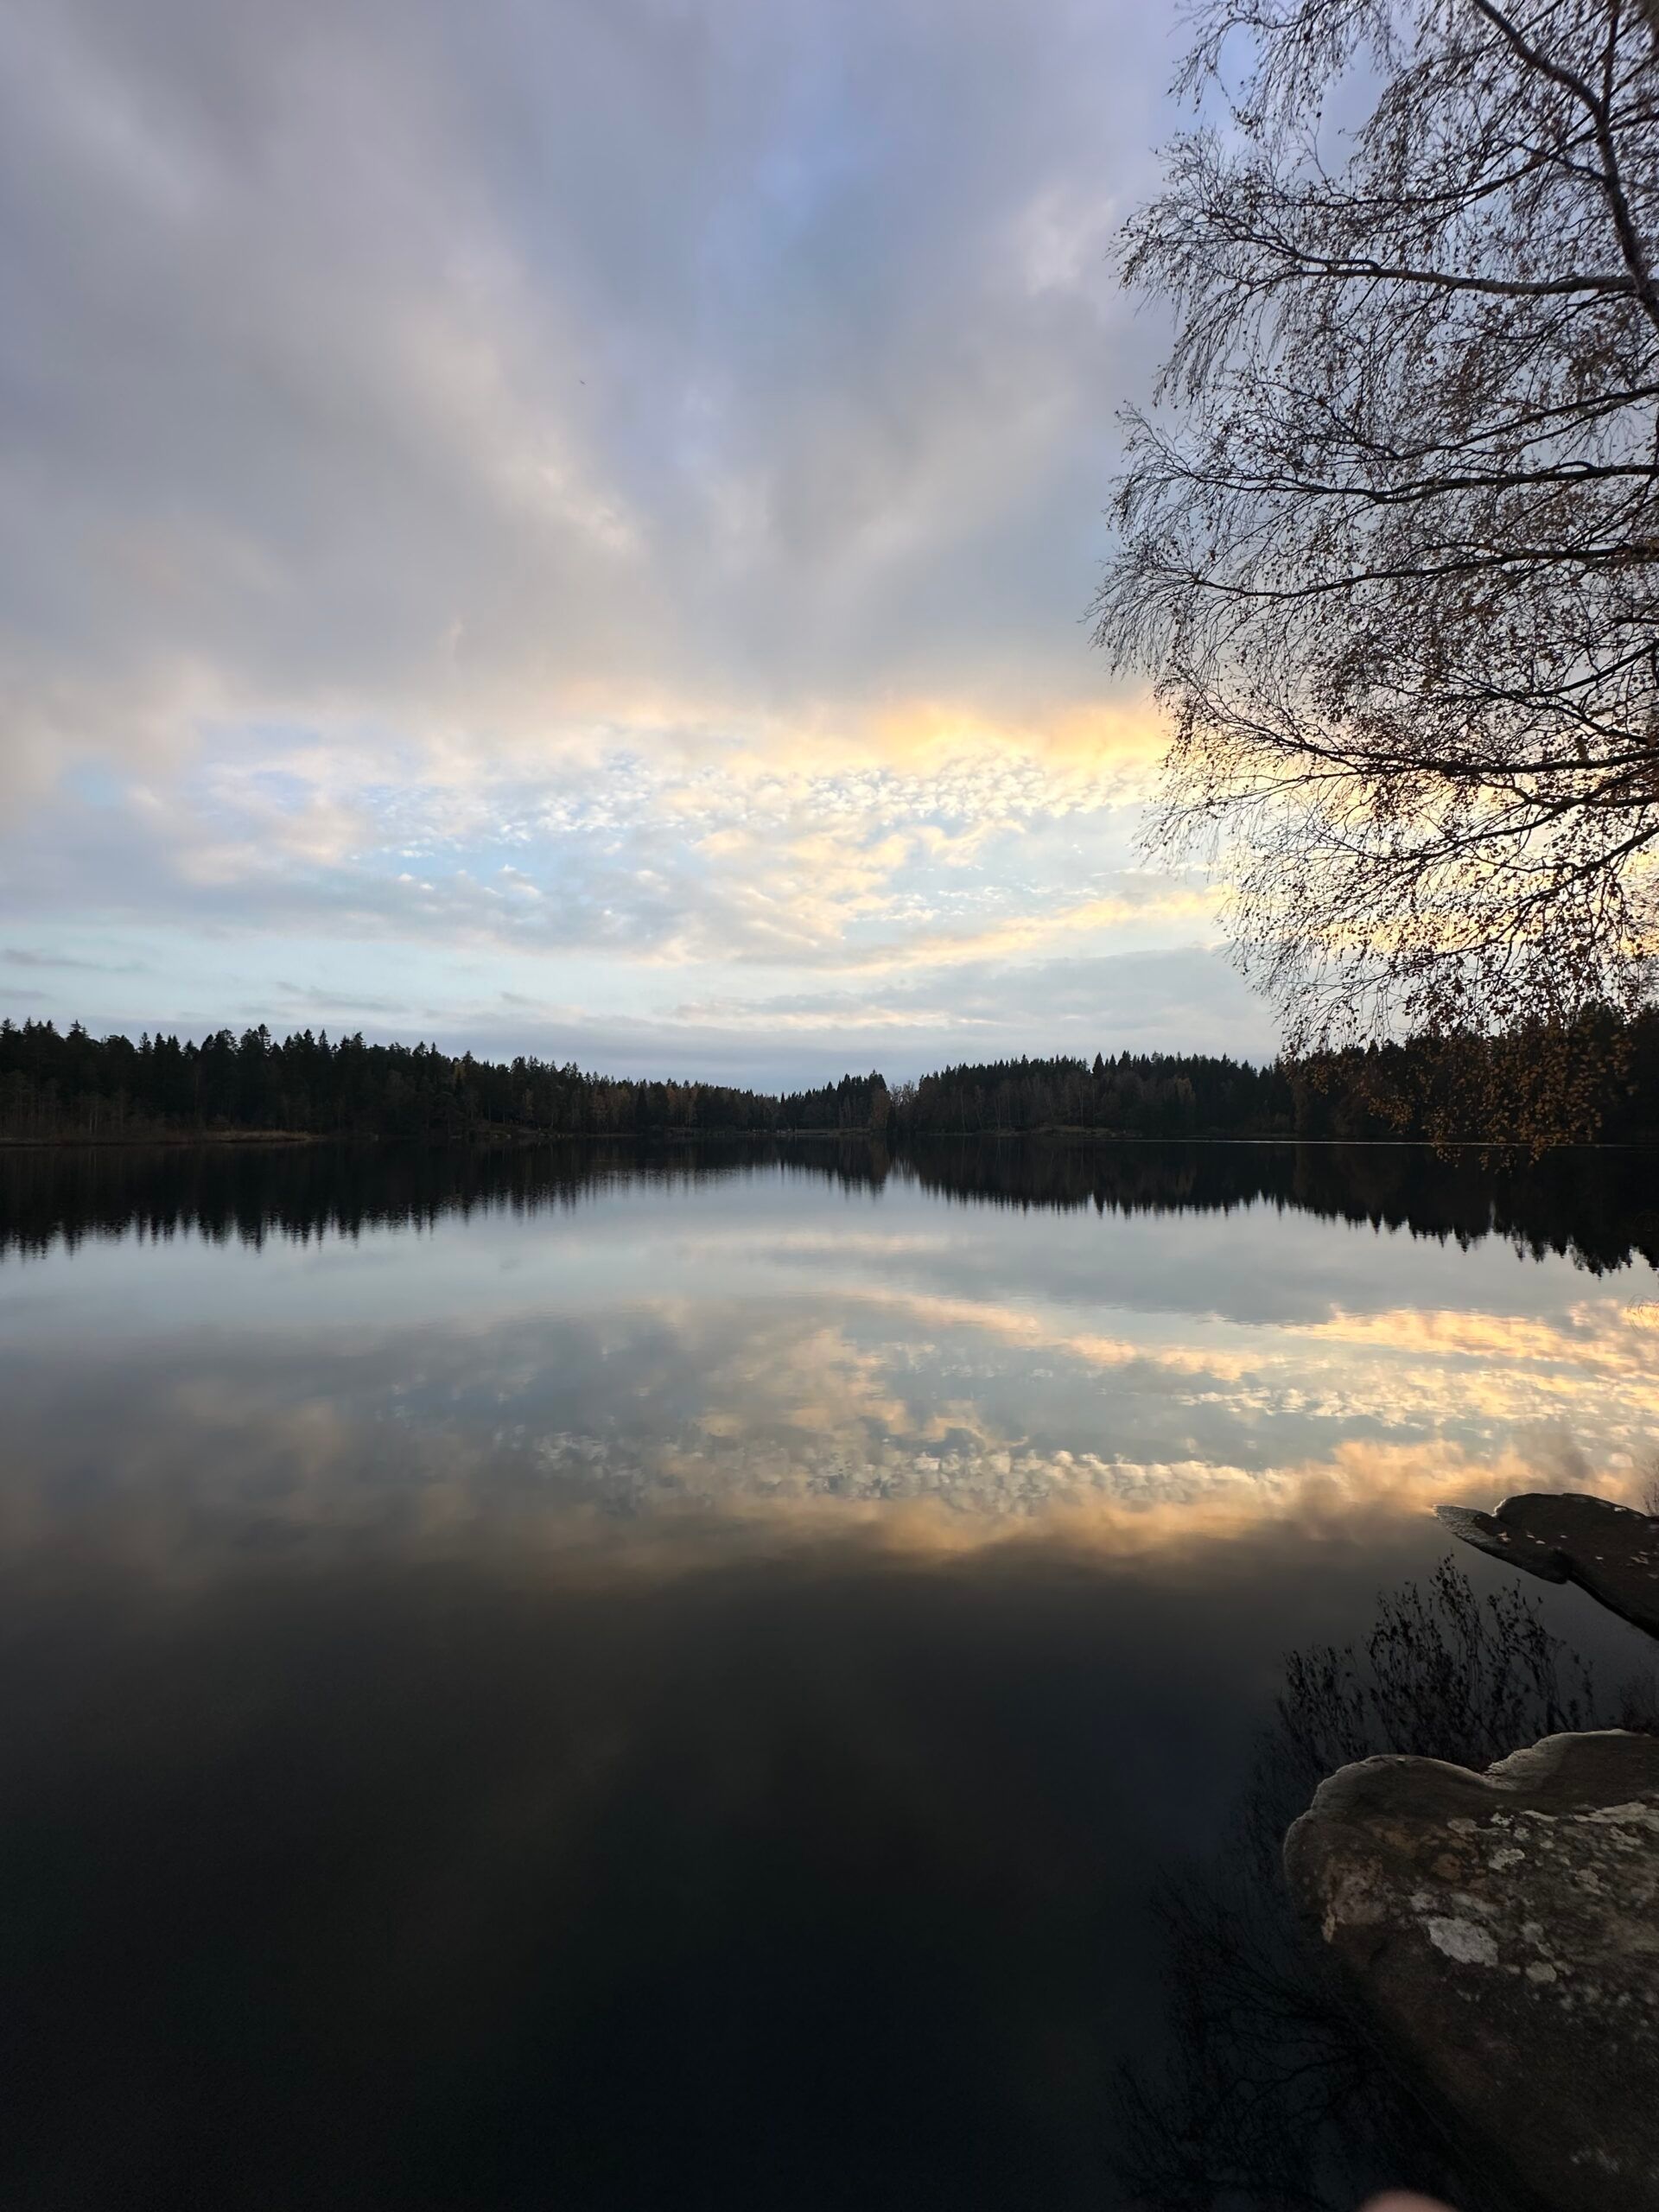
x=1390, y=537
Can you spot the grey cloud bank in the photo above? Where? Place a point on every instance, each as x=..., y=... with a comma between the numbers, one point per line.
x=604, y=497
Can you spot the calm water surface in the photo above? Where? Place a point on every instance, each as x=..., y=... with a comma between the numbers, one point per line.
x=630, y=1678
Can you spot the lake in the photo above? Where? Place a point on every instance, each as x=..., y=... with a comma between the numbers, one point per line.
x=625, y=1676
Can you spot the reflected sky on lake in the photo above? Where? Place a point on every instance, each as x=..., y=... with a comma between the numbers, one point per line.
x=785, y=1339
x=610, y=1678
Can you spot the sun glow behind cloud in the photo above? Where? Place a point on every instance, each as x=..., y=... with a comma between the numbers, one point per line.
x=572, y=533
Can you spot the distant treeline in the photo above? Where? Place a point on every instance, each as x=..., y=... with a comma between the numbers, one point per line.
x=1602, y=1078
x=1597, y=1079
x=58, y=1085
x=1136, y=1093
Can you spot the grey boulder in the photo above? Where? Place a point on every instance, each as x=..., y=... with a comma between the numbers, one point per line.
x=1609, y=1550
x=1500, y=1934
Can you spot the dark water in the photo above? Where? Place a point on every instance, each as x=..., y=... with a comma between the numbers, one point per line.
x=621, y=1678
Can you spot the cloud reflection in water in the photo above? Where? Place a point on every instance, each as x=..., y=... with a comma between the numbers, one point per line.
x=670, y=1680
x=812, y=1339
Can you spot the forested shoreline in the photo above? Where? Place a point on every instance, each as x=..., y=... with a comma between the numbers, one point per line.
x=69, y=1087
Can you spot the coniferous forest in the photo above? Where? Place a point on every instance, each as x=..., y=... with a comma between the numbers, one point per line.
x=68, y=1086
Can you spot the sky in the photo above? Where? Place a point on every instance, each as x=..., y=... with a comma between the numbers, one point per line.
x=569, y=528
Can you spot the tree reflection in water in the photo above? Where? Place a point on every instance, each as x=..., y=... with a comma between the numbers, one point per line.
x=1600, y=1206
x=1271, y=2097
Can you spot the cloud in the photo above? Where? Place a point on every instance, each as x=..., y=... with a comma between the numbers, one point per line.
x=793, y=1038
x=310, y=1000
x=16, y=956
x=609, y=487
x=488, y=361
x=664, y=858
